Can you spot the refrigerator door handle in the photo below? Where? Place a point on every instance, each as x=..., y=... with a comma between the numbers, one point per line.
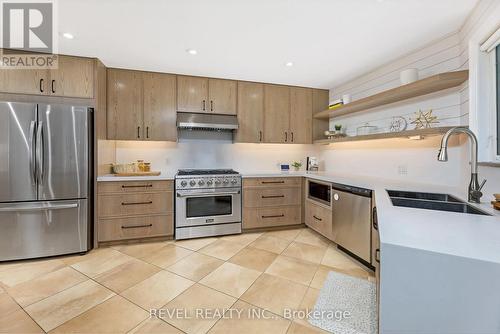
x=31, y=151
x=38, y=207
x=39, y=152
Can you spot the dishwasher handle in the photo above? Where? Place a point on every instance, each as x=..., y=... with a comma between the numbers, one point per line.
x=351, y=189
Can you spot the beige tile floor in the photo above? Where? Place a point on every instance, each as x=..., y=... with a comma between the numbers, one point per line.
x=111, y=290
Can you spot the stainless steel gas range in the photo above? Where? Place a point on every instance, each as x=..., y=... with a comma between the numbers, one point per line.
x=207, y=203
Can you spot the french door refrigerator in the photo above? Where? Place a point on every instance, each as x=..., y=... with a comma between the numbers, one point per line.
x=45, y=159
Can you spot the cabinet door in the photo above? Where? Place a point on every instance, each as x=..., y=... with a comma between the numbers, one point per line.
x=300, y=115
x=222, y=96
x=124, y=105
x=159, y=107
x=192, y=94
x=276, y=114
x=74, y=77
x=22, y=81
x=320, y=103
x=250, y=113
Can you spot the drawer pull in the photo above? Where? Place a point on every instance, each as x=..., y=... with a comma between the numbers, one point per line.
x=137, y=226
x=138, y=186
x=270, y=182
x=137, y=203
x=317, y=218
x=377, y=255
x=274, y=216
x=273, y=196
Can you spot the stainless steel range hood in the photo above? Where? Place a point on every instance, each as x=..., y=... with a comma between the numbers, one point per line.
x=210, y=122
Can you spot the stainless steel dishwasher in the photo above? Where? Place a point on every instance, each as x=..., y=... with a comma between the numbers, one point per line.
x=351, y=220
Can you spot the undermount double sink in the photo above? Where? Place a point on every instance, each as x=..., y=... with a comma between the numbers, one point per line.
x=432, y=201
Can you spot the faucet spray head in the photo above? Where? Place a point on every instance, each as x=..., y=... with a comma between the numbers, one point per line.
x=443, y=154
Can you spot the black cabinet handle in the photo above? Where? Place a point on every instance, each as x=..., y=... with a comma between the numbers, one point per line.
x=375, y=219
x=138, y=186
x=137, y=203
x=203, y=105
x=52, y=86
x=317, y=218
x=41, y=86
x=137, y=226
x=377, y=255
x=286, y=136
x=270, y=182
x=276, y=216
x=211, y=105
x=260, y=135
x=273, y=196
x=292, y=137
x=138, y=132
x=147, y=131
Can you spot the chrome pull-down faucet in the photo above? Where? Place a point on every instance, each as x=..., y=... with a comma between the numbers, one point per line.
x=475, y=193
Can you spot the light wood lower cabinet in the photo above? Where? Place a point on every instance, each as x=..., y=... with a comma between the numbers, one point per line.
x=134, y=210
x=318, y=218
x=113, y=229
x=272, y=202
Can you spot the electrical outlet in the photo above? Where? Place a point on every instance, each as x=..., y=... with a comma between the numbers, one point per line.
x=403, y=170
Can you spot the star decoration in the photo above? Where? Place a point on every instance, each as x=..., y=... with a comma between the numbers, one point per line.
x=424, y=120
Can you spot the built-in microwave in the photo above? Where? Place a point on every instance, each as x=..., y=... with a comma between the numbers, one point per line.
x=320, y=192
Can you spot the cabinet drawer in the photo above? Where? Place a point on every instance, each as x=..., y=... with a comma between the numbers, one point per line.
x=135, y=204
x=318, y=218
x=269, y=217
x=135, y=227
x=272, y=182
x=134, y=186
x=260, y=197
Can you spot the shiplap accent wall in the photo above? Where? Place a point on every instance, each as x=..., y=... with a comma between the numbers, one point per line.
x=440, y=56
x=403, y=159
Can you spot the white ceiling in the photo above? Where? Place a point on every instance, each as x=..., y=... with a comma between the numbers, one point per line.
x=329, y=41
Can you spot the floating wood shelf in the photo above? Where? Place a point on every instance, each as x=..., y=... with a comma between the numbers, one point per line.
x=421, y=87
x=386, y=135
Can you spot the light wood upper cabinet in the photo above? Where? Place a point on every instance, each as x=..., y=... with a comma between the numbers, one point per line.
x=74, y=77
x=222, y=96
x=159, y=106
x=300, y=115
x=141, y=105
x=277, y=112
x=250, y=113
x=124, y=105
x=192, y=94
x=320, y=103
x=21, y=81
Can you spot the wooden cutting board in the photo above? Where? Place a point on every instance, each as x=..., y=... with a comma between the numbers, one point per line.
x=138, y=174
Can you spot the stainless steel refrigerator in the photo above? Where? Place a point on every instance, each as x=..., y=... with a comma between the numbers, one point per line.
x=45, y=173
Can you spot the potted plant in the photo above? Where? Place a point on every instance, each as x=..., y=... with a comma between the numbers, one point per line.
x=296, y=165
x=338, y=128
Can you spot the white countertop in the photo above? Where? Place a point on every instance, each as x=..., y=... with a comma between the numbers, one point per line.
x=111, y=177
x=457, y=234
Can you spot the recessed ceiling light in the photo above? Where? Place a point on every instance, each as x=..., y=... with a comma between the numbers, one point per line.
x=289, y=64
x=192, y=51
x=68, y=35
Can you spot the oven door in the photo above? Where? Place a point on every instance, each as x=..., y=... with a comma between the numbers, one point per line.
x=207, y=207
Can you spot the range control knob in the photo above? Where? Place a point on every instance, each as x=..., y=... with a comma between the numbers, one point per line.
x=192, y=183
x=233, y=181
x=184, y=183
x=209, y=182
x=226, y=181
x=217, y=181
x=201, y=182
